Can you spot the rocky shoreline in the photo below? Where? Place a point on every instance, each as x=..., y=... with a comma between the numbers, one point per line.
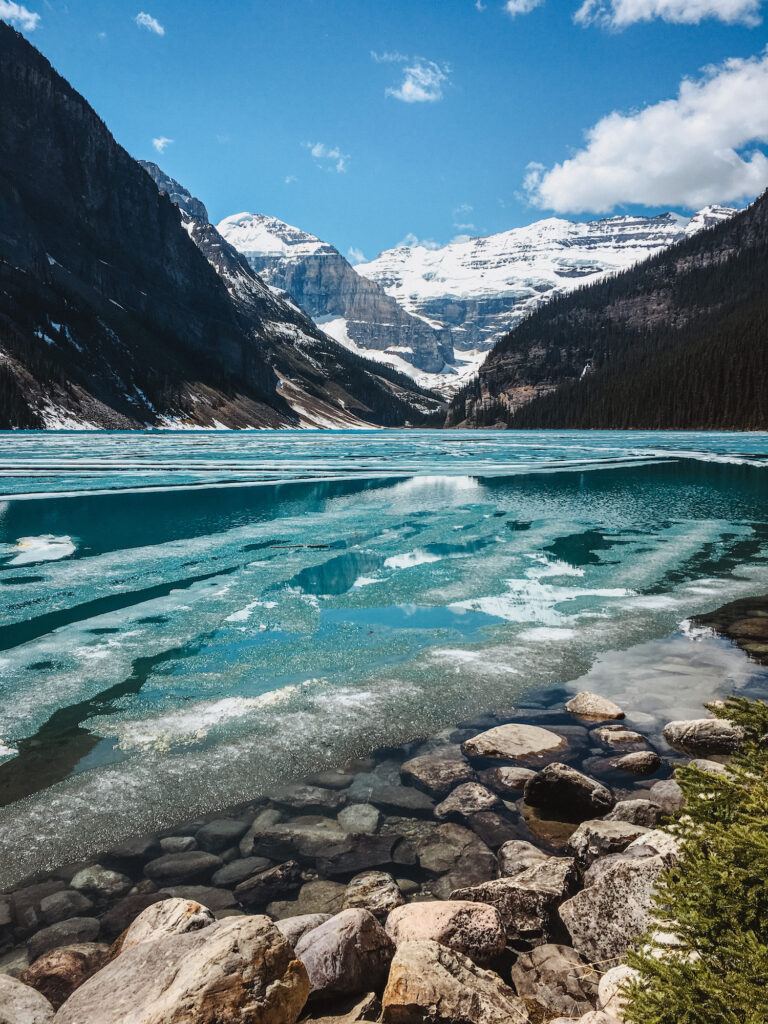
x=495, y=872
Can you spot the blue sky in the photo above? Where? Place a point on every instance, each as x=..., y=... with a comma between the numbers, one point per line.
x=367, y=122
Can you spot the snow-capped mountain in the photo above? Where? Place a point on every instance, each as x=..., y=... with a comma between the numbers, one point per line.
x=480, y=288
x=350, y=308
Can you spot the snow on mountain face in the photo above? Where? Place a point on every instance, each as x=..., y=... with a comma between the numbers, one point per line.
x=353, y=310
x=480, y=288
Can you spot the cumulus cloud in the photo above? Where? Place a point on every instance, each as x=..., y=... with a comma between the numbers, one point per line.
x=617, y=14
x=329, y=157
x=18, y=15
x=423, y=80
x=412, y=240
x=160, y=143
x=355, y=255
x=144, y=20
x=515, y=7
x=701, y=147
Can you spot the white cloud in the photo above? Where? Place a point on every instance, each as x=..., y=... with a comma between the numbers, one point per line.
x=290, y=179
x=161, y=143
x=355, y=255
x=329, y=157
x=461, y=238
x=151, y=24
x=18, y=15
x=515, y=7
x=479, y=5
x=411, y=240
x=389, y=57
x=699, y=148
x=617, y=14
x=422, y=82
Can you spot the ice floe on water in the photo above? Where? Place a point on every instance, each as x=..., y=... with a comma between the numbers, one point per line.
x=28, y=550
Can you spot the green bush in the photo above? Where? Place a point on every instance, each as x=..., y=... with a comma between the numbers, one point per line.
x=715, y=900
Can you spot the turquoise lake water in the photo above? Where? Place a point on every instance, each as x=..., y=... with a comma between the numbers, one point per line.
x=187, y=618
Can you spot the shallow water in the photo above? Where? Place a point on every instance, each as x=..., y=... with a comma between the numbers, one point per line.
x=187, y=618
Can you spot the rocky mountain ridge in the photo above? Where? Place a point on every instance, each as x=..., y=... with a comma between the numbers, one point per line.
x=477, y=289
x=348, y=307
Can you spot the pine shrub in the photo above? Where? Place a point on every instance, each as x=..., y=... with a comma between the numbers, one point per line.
x=715, y=900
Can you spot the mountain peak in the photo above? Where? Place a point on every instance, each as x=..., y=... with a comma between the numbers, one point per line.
x=179, y=195
x=257, y=234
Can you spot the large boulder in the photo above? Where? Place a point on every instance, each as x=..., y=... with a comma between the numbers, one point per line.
x=171, y=917
x=593, y=839
x=294, y=927
x=20, y=1004
x=63, y=933
x=561, y=791
x=57, y=973
x=640, y=762
x=465, y=800
x=376, y=891
x=123, y=913
x=528, y=903
x=435, y=775
x=556, y=978
x=510, y=742
x=430, y=982
x=190, y=868
x=236, y=970
x=593, y=707
x=704, y=737
x=606, y=917
x=459, y=856
x=474, y=929
x=349, y=953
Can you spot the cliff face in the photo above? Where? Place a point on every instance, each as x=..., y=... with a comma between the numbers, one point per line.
x=348, y=307
x=677, y=341
x=322, y=382
x=477, y=289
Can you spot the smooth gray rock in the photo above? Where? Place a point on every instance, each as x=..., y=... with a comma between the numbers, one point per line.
x=101, y=883
x=359, y=818
x=27, y=915
x=63, y=933
x=21, y=1004
x=559, y=790
x=403, y=800
x=60, y=906
x=217, y=835
x=508, y=742
x=593, y=839
x=617, y=736
x=207, y=895
x=237, y=871
x=294, y=927
x=304, y=838
x=309, y=799
x=357, y=853
x=507, y=780
x=593, y=707
x=640, y=762
x=435, y=775
x=263, y=820
x=704, y=737
x=556, y=978
x=178, y=844
x=349, y=953
x=528, y=903
x=313, y=898
x=668, y=795
x=705, y=765
x=190, y=868
x=236, y=970
x=458, y=855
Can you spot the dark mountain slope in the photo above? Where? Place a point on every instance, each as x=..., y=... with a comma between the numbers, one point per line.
x=110, y=315
x=324, y=382
x=679, y=341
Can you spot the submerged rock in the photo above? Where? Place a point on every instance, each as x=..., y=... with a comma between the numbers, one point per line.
x=101, y=883
x=192, y=867
x=430, y=982
x=465, y=800
x=458, y=855
x=593, y=707
x=60, y=906
x=238, y=870
x=359, y=818
x=63, y=933
x=240, y=969
x=313, y=898
x=267, y=885
x=309, y=799
x=436, y=776
x=704, y=737
x=507, y=780
x=617, y=736
x=474, y=929
x=559, y=789
x=217, y=835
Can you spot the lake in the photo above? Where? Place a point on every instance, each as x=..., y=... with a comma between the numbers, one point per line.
x=189, y=618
